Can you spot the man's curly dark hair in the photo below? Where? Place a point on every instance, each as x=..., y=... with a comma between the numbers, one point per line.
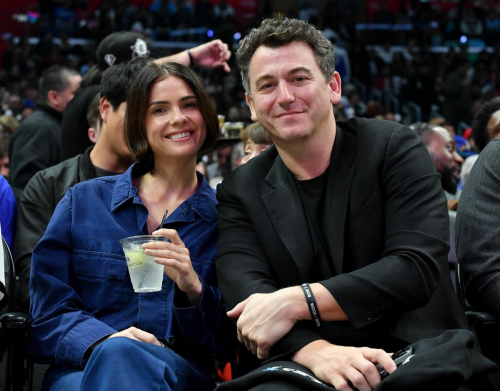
x=479, y=123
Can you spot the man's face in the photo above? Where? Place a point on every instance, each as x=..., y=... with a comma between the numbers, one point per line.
x=493, y=125
x=68, y=94
x=115, y=129
x=448, y=162
x=290, y=97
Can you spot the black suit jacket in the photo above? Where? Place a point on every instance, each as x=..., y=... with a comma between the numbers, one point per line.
x=388, y=235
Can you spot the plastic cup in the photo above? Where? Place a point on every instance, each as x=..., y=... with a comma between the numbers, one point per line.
x=146, y=275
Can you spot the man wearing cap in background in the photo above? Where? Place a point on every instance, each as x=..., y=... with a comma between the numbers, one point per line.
x=115, y=49
x=35, y=144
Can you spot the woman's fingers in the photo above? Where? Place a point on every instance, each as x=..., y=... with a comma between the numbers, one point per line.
x=171, y=234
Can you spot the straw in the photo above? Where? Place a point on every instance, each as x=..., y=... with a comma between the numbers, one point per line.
x=163, y=219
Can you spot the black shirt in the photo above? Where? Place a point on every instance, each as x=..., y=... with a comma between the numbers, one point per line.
x=312, y=193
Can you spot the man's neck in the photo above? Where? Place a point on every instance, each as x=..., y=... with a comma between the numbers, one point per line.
x=309, y=158
x=106, y=159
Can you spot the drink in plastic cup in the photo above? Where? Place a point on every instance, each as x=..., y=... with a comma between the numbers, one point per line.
x=146, y=275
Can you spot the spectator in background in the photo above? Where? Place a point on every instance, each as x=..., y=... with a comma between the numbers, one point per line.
x=8, y=212
x=443, y=150
x=4, y=155
x=36, y=143
x=486, y=123
x=109, y=156
x=457, y=91
x=477, y=237
x=255, y=139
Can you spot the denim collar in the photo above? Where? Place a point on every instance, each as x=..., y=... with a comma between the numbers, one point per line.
x=203, y=202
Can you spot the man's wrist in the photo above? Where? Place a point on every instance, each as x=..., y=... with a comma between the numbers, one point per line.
x=296, y=302
x=308, y=354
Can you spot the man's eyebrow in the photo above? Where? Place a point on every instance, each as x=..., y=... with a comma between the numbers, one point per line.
x=263, y=77
x=300, y=69
x=291, y=72
x=166, y=102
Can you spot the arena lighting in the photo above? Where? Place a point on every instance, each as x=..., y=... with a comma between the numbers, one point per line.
x=237, y=36
x=210, y=33
x=463, y=39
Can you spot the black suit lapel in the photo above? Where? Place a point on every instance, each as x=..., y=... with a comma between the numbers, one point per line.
x=287, y=214
x=340, y=176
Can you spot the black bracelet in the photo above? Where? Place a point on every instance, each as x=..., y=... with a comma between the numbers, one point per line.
x=313, y=307
x=191, y=61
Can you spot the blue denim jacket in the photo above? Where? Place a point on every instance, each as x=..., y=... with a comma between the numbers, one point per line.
x=80, y=287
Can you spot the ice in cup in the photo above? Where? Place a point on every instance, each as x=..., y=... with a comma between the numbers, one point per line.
x=146, y=275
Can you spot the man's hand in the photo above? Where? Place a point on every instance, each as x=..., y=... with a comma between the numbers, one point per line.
x=338, y=365
x=265, y=318
x=213, y=54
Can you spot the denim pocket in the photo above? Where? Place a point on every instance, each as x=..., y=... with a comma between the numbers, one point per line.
x=98, y=280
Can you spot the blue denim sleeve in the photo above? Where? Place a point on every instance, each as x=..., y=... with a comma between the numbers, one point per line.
x=62, y=329
x=204, y=323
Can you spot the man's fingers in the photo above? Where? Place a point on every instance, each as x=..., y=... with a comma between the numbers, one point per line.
x=262, y=353
x=357, y=379
x=237, y=311
x=381, y=357
x=369, y=371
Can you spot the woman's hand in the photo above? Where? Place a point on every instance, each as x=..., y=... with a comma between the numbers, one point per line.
x=175, y=257
x=138, y=335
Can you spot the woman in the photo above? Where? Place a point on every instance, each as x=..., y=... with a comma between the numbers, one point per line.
x=81, y=296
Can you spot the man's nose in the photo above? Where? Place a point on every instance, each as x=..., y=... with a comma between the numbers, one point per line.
x=285, y=94
x=458, y=159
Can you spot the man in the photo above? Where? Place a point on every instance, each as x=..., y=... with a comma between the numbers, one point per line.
x=109, y=156
x=353, y=208
x=115, y=49
x=443, y=150
x=4, y=155
x=486, y=123
x=477, y=233
x=35, y=144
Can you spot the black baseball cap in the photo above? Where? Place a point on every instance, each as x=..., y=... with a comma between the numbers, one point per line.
x=120, y=47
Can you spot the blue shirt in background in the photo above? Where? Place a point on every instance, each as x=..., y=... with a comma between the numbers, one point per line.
x=8, y=212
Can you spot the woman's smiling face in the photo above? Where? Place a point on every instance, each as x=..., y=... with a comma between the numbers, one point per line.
x=175, y=126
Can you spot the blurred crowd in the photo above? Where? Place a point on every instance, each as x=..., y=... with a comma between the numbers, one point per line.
x=384, y=68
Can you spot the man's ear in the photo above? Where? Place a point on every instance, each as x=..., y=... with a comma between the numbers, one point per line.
x=104, y=108
x=250, y=104
x=53, y=98
x=335, y=86
x=92, y=135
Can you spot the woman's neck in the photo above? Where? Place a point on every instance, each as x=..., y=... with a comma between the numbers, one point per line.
x=165, y=188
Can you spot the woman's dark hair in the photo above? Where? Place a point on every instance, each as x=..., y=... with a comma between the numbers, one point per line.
x=137, y=104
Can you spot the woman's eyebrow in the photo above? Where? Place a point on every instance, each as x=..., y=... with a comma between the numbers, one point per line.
x=166, y=102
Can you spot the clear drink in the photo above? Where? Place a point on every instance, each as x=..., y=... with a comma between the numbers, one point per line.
x=146, y=275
